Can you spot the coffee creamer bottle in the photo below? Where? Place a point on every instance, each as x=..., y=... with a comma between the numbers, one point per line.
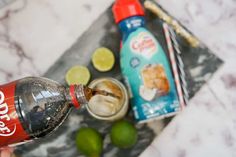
x=144, y=64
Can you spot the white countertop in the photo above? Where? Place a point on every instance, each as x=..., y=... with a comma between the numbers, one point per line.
x=35, y=33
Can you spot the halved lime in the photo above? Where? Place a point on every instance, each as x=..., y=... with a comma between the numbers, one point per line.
x=103, y=59
x=78, y=75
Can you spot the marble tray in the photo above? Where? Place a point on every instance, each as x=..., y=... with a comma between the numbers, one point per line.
x=199, y=62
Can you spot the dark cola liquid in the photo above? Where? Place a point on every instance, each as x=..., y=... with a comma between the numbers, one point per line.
x=42, y=105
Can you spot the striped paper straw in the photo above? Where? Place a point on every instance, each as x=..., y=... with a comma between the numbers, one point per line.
x=173, y=64
x=180, y=65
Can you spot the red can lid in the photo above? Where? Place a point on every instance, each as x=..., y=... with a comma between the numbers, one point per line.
x=123, y=9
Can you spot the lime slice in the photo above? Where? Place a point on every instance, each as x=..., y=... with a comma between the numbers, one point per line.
x=89, y=142
x=78, y=75
x=123, y=134
x=103, y=59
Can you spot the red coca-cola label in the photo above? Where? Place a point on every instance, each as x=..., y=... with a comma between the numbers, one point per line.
x=11, y=130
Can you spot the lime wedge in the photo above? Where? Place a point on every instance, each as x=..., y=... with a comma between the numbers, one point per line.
x=78, y=75
x=103, y=59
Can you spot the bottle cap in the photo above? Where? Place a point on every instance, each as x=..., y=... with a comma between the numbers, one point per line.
x=123, y=9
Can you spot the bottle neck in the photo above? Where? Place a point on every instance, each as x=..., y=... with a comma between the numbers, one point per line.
x=130, y=25
x=78, y=95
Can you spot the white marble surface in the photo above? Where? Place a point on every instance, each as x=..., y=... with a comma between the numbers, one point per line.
x=33, y=35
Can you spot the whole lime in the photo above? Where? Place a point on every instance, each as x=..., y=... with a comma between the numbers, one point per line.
x=123, y=134
x=89, y=142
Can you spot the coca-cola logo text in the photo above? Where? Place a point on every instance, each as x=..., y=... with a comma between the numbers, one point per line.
x=5, y=118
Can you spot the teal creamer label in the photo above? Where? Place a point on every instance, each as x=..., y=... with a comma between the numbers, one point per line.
x=147, y=73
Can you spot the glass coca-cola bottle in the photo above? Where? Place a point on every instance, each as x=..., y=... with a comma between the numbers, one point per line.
x=33, y=107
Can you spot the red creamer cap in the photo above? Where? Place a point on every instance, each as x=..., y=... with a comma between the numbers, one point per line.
x=123, y=9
